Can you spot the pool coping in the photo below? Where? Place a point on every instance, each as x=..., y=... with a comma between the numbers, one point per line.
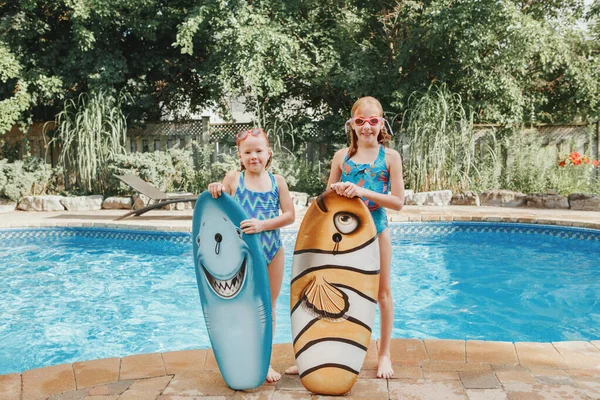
x=465, y=369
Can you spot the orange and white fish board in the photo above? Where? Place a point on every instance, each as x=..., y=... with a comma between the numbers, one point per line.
x=333, y=294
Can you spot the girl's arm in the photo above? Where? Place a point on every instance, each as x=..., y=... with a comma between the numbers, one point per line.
x=394, y=200
x=336, y=167
x=229, y=185
x=288, y=212
x=287, y=216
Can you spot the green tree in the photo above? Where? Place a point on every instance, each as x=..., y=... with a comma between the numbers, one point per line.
x=509, y=60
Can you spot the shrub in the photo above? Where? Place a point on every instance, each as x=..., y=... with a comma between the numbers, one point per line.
x=575, y=173
x=169, y=171
x=24, y=178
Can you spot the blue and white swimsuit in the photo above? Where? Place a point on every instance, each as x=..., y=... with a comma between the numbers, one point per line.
x=373, y=176
x=262, y=205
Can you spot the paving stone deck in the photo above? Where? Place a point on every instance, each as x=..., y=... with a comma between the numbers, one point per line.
x=424, y=369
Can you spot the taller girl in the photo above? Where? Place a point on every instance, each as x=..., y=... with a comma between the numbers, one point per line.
x=370, y=170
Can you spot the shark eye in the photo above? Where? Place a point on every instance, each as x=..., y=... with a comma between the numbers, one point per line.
x=239, y=231
x=198, y=240
x=345, y=222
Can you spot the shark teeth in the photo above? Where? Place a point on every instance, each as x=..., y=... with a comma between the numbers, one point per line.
x=229, y=288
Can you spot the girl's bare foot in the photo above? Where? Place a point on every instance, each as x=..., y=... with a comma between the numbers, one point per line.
x=292, y=370
x=384, y=369
x=272, y=375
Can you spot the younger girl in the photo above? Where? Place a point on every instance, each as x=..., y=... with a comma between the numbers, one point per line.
x=261, y=194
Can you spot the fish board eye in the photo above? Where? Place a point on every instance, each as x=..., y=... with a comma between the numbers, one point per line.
x=198, y=240
x=346, y=222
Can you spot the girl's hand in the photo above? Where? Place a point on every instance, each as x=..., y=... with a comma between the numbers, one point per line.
x=347, y=189
x=252, y=226
x=339, y=187
x=353, y=190
x=215, y=189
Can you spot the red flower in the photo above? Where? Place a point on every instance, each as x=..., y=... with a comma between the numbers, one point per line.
x=575, y=156
x=595, y=163
x=562, y=163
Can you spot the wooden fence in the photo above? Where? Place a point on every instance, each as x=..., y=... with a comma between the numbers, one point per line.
x=165, y=135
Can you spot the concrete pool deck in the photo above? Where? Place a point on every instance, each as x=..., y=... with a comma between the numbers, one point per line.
x=424, y=369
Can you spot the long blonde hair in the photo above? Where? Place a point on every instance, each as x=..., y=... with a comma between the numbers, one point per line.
x=383, y=136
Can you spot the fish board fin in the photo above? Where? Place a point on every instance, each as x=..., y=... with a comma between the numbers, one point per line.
x=324, y=300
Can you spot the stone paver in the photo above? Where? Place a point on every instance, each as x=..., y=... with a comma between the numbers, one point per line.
x=446, y=350
x=43, y=382
x=460, y=367
x=179, y=361
x=198, y=383
x=370, y=389
x=154, y=384
x=139, y=395
x=404, y=372
x=265, y=392
x=539, y=355
x=551, y=376
x=441, y=375
x=515, y=376
x=10, y=387
x=479, y=379
x=486, y=394
x=424, y=369
x=408, y=352
x=426, y=390
x=95, y=372
x=110, y=389
x=578, y=355
x=289, y=382
x=142, y=366
x=479, y=351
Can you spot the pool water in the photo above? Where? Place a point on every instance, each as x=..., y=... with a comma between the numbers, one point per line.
x=73, y=294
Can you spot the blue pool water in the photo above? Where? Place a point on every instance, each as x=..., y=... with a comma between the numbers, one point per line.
x=74, y=294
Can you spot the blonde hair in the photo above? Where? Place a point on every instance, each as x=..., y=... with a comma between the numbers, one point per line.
x=383, y=136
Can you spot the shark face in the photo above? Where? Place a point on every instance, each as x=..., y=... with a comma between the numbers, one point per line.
x=233, y=284
x=222, y=255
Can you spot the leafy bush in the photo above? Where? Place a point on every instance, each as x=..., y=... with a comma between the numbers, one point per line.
x=24, y=178
x=170, y=171
x=575, y=173
x=529, y=164
x=299, y=174
x=208, y=171
x=520, y=162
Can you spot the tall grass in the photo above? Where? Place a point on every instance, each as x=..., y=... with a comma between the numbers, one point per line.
x=441, y=143
x=91, y=131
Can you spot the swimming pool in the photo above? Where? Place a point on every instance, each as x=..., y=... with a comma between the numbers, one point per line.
x=72, y=294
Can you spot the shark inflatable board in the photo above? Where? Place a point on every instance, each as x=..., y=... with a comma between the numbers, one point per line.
x=234, y=291
x=333, y=294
